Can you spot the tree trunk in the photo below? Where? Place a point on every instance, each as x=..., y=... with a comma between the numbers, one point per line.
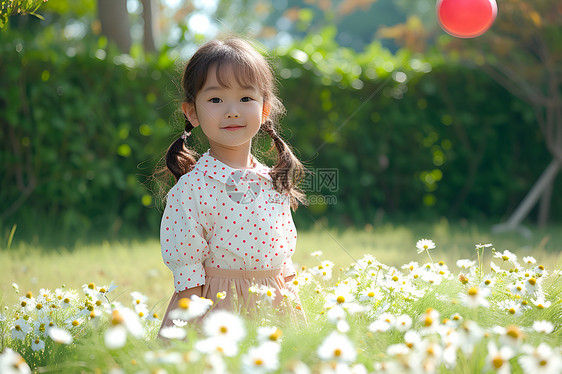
x=544, y=207
x=114, y=20
x=149, y=15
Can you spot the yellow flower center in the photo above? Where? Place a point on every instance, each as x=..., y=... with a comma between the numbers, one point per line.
x=258, y=362
x=532, y=281
x=67, y=300
x=18, y=327
x=411, y=268
x=138, y=302
x=371, y=294
x=39, y=306
x=541, y=267
x=513, y=331
x=223, y=330
x=505, y=258
x=75, y=323
x=116, y=318
x=425, y=246
x=29, y=295
x=276, y=335
x=23, y=303
x=91, y=286
x=98, y=303
x=155, y=315
x=512, y=311
x=42, y=327
x=441, y=263
x=340, y=299
x=92, y=315
x=184, y=303
x=487, y=282
x=141, y=314
x=456, y=318
x=428, y=321
x=543, y=362
x=395, y=278
x=269, y=293
x=473, y=291
x=337, y=352
x=497, y=362
x=524, y=302
x=416, y=276
x=540, y=306
x=103, y=290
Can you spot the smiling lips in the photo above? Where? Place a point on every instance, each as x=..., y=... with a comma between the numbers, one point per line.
x=233, y=127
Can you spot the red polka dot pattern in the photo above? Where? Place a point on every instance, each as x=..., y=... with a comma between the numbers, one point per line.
x=203, y=227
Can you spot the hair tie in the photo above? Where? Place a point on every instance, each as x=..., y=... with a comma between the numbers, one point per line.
x=185, y=134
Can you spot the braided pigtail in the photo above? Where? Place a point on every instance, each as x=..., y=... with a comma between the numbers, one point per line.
x=180, y=160
x=288, y=171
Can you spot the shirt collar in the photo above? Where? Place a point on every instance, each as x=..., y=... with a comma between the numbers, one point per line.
x=220, y=171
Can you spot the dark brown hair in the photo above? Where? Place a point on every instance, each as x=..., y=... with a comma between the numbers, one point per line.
x=250, y=69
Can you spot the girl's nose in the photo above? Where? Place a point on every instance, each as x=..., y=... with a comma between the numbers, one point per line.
x=231, y=114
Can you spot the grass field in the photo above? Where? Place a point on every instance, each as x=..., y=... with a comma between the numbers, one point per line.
x=137, y=266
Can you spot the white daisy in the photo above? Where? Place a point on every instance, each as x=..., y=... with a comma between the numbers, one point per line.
x=189, y=308
x=37, y=345
x=529, y=260
x=337, y=347
x=371, y=294
x=541, y=303
x=403, y=323
x=475, y=297
x=384, y=323
x=269, y=333
x=12, y=362
x=20, y=328
x=138, y=298
x=316, y=254
x=425, y=245
x=224, y=325
x=546, y=327
x=59, y=335
x=506, y=256
x=465, y=264
x=217, y=345
x=498, y=359
x=173, y=332
x=540, y=360
x=261, y=359
x=115, y=337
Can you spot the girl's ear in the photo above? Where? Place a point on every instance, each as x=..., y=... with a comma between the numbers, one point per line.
x=189, y=110
x=265, y=112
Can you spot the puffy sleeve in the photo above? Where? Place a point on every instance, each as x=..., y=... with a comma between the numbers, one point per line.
x=182, y=239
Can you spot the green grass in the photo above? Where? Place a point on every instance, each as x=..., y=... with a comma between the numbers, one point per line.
x=137, y=266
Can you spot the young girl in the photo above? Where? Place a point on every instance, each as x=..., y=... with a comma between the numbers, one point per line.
x=227, y=222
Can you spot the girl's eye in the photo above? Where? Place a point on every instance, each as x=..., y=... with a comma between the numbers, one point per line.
x=245, y=99
x=215, y=100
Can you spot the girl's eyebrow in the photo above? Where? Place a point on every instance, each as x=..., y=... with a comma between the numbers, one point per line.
x=210, y=88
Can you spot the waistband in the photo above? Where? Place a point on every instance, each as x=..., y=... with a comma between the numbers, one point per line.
x=241, y=274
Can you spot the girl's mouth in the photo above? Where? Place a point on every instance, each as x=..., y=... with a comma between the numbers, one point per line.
x=233, y=127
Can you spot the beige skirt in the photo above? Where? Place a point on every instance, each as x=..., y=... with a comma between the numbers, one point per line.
x=236, y=285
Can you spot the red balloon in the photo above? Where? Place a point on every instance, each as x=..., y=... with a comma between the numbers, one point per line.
x=466, y=18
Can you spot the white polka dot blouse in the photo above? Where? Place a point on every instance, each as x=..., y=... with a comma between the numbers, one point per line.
x=226, y=218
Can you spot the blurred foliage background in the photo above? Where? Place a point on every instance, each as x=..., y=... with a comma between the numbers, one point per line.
x=419, y=125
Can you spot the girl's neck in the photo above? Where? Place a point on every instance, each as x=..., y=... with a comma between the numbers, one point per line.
x=236, y=159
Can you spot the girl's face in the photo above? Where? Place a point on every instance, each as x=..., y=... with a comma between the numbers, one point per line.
x=229, y=116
